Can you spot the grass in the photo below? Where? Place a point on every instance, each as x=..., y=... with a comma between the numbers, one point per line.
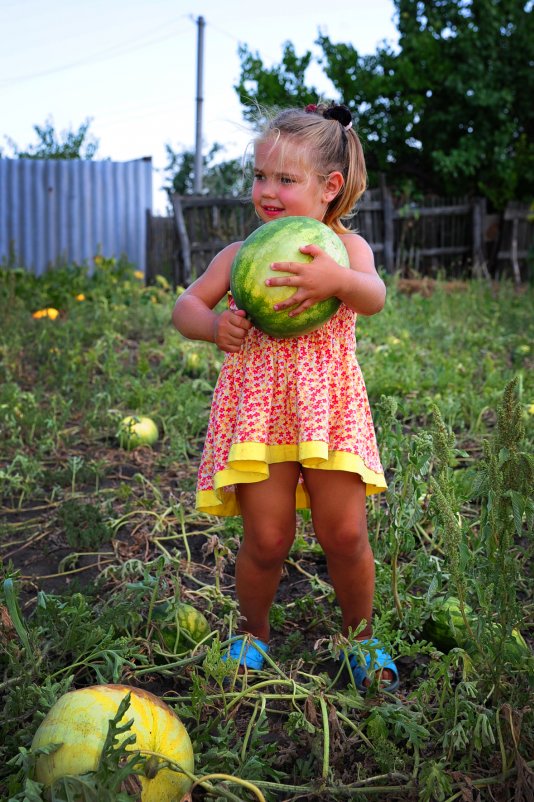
x=92, y=537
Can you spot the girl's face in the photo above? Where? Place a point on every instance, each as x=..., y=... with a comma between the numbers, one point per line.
x=284, y=184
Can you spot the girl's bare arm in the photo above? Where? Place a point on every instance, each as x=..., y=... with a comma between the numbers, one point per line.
x=360, y=288
x=193, y=313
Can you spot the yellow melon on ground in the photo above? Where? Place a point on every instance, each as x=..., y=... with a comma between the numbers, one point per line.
x=79, y=721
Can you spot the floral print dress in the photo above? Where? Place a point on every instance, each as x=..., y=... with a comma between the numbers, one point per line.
x=298, y=399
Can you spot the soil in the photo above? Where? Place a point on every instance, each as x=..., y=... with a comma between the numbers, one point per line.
x=35, y=541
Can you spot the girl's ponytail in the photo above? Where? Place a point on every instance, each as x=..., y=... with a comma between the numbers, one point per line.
x=355, y=184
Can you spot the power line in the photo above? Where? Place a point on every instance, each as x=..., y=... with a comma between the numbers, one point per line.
x=225, y=33
x=134, y=113
x=108, y=53
x=237, y=39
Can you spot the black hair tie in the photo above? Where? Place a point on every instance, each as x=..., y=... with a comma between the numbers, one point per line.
x=341, y=113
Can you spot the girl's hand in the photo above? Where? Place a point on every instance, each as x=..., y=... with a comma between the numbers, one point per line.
x=230, y=330
x=314, y=281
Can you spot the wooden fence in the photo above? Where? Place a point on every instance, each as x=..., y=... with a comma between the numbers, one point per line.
x=439, y=237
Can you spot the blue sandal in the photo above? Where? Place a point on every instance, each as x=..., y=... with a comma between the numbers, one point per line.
x=245, y=652
x=375, y=662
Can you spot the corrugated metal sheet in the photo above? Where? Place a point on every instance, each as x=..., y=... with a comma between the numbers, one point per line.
x=55, y=211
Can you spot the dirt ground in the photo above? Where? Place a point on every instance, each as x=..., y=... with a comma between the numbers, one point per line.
x=46, y=561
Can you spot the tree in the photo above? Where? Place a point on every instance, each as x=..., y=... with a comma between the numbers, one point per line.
x=275, y=87
x=219, y=178
x=449, y=111
x=69, y=144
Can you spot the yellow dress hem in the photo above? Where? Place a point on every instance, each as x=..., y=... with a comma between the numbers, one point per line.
x=249, y=462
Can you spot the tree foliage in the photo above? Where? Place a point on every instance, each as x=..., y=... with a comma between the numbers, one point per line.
x=69, y=144
x=278, y=86
x=448, y=111
x=219, y=177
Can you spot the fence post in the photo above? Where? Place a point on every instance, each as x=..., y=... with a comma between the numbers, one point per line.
x=514, y=250
x=389, y=229
x=149, y=270
x=480, y=267
x=185, y=247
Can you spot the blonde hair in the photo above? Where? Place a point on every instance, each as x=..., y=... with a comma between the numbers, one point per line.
x=330, y=146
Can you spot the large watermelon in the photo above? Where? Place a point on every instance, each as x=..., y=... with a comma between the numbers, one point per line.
x=279, y=241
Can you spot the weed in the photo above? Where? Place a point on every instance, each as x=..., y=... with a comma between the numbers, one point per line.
x=84, y=525
x=456, y=520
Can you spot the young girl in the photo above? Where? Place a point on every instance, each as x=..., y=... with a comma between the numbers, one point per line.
x=290, y=424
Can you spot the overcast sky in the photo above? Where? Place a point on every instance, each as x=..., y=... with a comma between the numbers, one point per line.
x=131, y=66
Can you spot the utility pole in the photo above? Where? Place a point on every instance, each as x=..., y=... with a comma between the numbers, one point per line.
x=200, y=100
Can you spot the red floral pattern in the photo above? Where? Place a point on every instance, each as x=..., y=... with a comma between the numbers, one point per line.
x=289, y=392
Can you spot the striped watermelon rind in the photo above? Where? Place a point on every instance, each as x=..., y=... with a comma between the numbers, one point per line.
x=279, y=241
x=446, y=627
x=446, y=630
x=180, y=626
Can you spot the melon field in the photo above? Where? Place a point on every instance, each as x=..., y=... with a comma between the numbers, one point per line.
x=110, y=576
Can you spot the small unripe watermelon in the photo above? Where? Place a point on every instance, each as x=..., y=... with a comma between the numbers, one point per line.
x=446, y=630
x=181, y=626
x=279, y=241
x=515, y=647
x=79, y=721
x=137, y=430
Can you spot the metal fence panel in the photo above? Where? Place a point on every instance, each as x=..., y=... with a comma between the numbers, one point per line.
x=57, y=211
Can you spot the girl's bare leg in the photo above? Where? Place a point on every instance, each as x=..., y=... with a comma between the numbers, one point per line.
x=338, y=503
x=339, y=518
x=269, y=522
